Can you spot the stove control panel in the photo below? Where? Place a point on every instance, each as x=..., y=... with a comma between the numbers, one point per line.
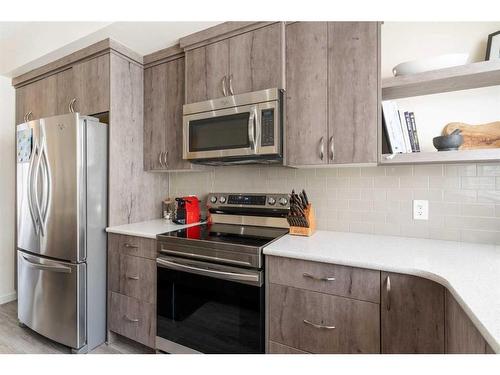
x=253, y=200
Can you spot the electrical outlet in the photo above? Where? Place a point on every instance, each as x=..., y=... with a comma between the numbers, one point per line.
x=420, y=210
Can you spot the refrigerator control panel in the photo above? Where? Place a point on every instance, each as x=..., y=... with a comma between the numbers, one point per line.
x=24, y=145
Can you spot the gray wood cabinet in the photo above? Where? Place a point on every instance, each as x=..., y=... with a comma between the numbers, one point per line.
x=92, y=85
x=332, y=76
x=206, y=68
x=132, y=287
x=322, y=323
x=246, y=62
x=163, y=100
x=353, y=91
x=412, y=315
x=462, y=337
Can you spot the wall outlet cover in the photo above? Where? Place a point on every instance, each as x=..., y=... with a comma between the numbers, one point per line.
x=420, y=210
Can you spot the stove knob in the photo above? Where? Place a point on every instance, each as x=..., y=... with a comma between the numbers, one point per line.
x=271, y=201
x=283, y=201
x=213, y=199
x=222, y=199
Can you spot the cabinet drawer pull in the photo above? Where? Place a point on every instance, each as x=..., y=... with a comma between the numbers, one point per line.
x=130, y=246
x=327, y=278
x=319, y=326
x=231, y=91
x=132, y=277
x=224, y=89
x=130, y=319
x=388, y=291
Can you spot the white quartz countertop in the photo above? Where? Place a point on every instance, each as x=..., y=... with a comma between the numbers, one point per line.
x=471, y=272
x=147, y=229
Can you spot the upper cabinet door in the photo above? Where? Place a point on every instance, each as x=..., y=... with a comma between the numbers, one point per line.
x=175, y=99
x=353, y=91
x=155, y=116
x=65, y=90
x=256, y=60
x=412, y=315
x=91, y=80
x=206, y=69
x=163, y=100
x=307, y=93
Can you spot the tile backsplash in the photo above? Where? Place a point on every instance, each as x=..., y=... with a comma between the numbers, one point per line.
x=464, y=199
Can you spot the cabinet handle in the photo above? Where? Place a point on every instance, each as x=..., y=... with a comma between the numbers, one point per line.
x=71, y=105
x=332, y=149
x=28, y=116
x=130, y=319
x=388, y=292
x=321, y=148
x=319, y=326
x=224, y=90
x=231, y=85
x=165, y=159
x=328, y=278
x=132, y=277
x=160, y=160
x=130, y=246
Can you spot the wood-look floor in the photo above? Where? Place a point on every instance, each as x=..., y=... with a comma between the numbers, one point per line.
x=17, y=340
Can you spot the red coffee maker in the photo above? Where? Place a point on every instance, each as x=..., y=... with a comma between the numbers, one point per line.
x=188, y=210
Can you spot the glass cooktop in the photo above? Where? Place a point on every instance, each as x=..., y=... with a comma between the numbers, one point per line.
x=229, y=233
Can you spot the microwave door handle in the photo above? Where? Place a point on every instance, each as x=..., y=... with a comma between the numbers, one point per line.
x=251, y=128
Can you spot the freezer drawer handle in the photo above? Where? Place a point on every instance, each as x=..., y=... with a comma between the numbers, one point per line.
x=46, y=267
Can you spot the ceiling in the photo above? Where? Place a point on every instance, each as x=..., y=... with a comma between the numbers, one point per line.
x=27, y=45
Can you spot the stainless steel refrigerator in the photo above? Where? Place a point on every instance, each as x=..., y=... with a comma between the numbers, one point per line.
x=61, y=220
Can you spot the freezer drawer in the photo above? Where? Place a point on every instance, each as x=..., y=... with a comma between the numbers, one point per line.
x=52, y=298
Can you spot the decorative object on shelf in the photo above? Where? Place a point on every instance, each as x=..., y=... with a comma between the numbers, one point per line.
x=168, y=209
x=301, y=216
x=493, y=49
x=476, y=136
x=430, y=63
x=448, y=142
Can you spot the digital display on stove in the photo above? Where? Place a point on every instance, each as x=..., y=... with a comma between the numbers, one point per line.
x=253, y=200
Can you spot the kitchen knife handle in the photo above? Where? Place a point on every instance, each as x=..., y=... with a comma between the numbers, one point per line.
x=321, y=148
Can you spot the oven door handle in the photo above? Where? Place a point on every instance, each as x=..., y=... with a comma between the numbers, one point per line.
x=223, y=275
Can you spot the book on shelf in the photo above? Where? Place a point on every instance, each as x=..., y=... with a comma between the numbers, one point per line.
x=406, y=131
x=414, y=130
x=393, y=127
x=409, y=128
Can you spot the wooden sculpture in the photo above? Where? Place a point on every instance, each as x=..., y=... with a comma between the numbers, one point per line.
x=476, y=136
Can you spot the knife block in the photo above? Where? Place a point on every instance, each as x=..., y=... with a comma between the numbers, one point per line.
x=311, y=219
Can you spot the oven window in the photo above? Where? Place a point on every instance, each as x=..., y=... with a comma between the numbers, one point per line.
x=208, y=314
x=219, y=133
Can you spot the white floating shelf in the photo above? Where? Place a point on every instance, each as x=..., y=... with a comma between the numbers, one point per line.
x=490, y=154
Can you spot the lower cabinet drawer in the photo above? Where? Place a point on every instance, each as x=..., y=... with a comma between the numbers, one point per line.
x=322, y=323
x=138, y=278
x=132, y=318
x=276, y=348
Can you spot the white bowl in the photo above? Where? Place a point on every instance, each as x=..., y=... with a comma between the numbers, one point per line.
x=430, y=63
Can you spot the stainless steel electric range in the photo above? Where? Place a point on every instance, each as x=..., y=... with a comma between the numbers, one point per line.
x=210, y=296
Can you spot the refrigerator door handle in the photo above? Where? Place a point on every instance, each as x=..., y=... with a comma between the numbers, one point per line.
x=46, y=181
x=46, y=267
x=31, y=188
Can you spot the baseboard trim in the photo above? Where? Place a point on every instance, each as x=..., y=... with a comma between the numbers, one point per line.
x=8, y=297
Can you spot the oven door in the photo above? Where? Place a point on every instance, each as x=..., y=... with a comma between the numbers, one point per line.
x=233, y=132
x=209, y=308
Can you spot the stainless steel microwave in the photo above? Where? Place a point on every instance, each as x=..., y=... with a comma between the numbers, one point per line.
x=245, y=128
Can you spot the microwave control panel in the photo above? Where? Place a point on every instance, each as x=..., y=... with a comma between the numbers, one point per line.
x=267, y=121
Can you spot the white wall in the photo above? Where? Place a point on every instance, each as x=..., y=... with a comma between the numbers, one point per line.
x=7, y=185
